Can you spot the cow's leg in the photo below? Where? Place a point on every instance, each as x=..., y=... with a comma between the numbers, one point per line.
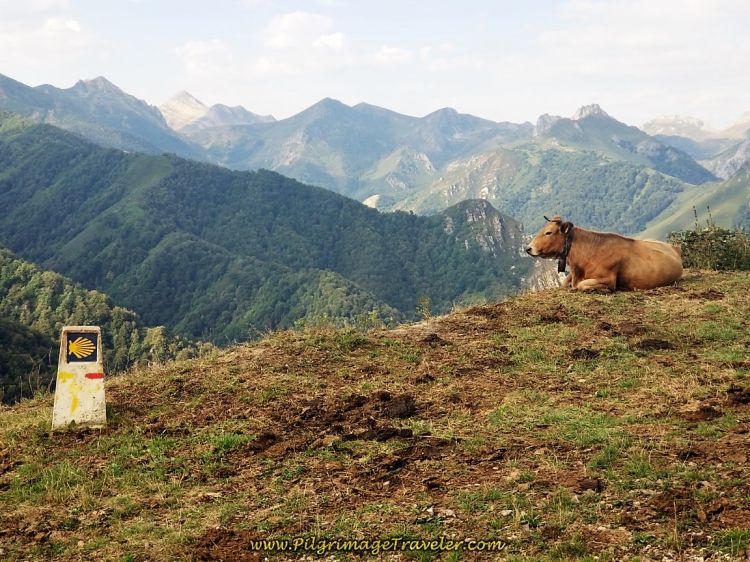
x=598, y=283
x=568, y=280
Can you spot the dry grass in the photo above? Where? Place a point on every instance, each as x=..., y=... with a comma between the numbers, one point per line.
x=570, y=426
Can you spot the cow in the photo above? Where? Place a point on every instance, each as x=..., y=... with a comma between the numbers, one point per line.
x=604, y=260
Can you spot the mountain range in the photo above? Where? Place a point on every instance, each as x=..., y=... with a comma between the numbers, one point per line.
x=393, y=161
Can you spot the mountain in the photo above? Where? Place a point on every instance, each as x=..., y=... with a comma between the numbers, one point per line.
x=553, y=426
x=730, y=161
x=42, y=302
x=739, y=130
x=693, y=137
x=678, y=126
x=358, y=151
x=695, y=129
x=728, y=202
x=591, y=128
x=97, y=110
x=222, y=255
x=181, y=110
x=701, y=151
x=184, y=113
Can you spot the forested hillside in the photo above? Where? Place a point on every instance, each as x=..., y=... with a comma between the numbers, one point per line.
x=35, y=304
x=28, y=360
x=222, y=255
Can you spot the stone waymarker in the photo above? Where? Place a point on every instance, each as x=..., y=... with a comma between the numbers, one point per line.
x=79, y=394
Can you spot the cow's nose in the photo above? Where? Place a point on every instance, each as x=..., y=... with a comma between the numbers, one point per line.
x=528, y=249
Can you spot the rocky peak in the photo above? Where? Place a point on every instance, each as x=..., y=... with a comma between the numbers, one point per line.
x=330, y=104
x=591, y=110
x=545, y=123
x=95, y=85
x=443, y=113
x=182, y=109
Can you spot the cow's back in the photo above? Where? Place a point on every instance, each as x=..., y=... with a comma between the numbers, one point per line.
x=649, y=264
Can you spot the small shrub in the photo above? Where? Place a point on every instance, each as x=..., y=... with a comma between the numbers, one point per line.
x=713, y=247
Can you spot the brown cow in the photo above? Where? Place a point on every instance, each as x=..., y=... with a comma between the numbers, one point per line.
x=603, y=260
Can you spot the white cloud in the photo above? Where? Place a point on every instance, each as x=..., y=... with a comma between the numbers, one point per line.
x=296, y=29
x=205, y=57
x=14, y=9
x=640, y=55
x=59, y=25
x=301, y=43
x=334, y=41
x=40, y=33
x=388, y=55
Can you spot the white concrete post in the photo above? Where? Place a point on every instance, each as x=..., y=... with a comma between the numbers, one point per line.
x=79, y=393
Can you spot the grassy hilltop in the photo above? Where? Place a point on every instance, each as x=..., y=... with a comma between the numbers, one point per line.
x=571, y=426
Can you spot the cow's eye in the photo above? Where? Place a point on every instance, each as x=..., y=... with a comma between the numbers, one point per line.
x=548, y=234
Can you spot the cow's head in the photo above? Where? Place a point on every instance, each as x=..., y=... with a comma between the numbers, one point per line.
x=550, y=240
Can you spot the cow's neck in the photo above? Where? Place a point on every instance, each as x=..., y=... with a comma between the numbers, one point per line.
x=562, y=259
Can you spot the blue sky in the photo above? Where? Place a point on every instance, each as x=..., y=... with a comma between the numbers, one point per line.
x=501, y=60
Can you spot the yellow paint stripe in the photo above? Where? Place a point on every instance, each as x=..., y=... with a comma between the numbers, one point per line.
x=64, y=376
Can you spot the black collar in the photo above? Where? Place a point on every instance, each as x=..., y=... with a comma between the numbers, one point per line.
x=563, y=257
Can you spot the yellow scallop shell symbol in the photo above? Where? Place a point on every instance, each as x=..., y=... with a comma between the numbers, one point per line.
x=81, y=347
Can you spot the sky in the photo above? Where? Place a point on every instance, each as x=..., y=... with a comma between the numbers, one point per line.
x=501, y=60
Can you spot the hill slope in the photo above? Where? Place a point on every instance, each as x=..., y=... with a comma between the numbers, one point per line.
x=567, y=425
x=728, y=201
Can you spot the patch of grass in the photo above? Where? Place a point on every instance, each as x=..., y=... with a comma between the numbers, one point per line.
x=717, y=427
x=479, y=501
x=582, y=426
x=562, y=507
x=272, y=393
x=643, y=538
x=725, y=331
x=733, y=541
x=349, y=339
x=56, y=482
x=611, y=452
x=638, y=465
x=572, y=549
x=226, y=442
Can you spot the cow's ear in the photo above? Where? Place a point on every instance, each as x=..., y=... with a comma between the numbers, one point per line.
x=565, y=227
